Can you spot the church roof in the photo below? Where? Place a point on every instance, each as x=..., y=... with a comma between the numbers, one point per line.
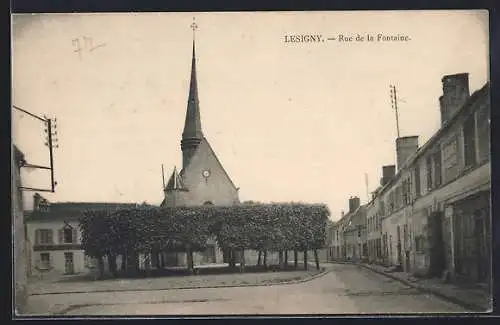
x=174, y=182
x=192, y=125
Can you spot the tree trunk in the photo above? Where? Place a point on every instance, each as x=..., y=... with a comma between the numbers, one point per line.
x=100, y=262
x=112, y=265
x=232, y=258
x=280, y=259
x=305, y=260
x=147, y=263
x=265, y=259
x=158, y=261
x=286, y=259
x=135, y=262
x=316, y=258
x=189, y=255
x=295, y=258
x=124, y=262
x=162, y=260
x=258, y=259
x=242, y=260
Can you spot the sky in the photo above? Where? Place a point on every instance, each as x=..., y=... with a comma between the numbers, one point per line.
x=289, y=121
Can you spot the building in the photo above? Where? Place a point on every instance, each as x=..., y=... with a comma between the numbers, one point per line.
x=437, y=218
x=202, y=179
x=54, y=237
x=374, y=212
x=19, y=234
x=350, y=233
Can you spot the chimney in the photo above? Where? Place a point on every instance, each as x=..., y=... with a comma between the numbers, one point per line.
x=405, y=147
x=388, y=172
x=37, y=198
x=354, y=203
x=455, y=94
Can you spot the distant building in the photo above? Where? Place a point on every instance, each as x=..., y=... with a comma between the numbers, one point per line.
x=54, y=238
x=350, y=233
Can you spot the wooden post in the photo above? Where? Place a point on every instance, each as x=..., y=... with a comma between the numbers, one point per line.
x=316, y=258
x=259, y=258
x=295, y=258
x=265, y=259
x=286, y=259
x=305, y=259
x=280, y=259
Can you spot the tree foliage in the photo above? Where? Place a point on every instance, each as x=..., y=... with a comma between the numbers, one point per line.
x=274, y=227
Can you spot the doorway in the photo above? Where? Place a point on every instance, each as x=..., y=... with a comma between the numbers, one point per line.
x=69, y=266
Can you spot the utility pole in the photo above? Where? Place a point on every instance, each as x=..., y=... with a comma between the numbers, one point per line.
x=163, y=176
x=394, y=104
x=51, y=143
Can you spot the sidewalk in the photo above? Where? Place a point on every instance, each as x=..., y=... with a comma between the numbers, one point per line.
x=477, y=299
x=175, y=282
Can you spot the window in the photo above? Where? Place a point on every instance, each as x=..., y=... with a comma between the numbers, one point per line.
x=43, y=236
x=67, y=235
x=417, y=181
x=429, y=173
x=437, y=169
x=469, y=141
x=44, y=261
x=419, y=244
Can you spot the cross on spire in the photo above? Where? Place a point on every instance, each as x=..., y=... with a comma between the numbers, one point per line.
x=194, y=27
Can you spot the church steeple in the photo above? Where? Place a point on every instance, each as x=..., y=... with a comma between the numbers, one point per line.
x=192, y=134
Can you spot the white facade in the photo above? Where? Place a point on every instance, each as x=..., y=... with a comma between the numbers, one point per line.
x=51, y=253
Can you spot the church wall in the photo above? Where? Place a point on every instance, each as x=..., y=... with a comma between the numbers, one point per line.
x=216, y=188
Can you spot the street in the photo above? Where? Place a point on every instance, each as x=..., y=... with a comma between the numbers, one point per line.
x=346, y=289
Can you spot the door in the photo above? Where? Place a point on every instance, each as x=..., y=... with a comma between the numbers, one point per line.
x=69, y=266
x=399, y=248
x=483, y=259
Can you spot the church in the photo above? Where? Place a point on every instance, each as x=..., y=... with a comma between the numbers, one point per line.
x=202, y=179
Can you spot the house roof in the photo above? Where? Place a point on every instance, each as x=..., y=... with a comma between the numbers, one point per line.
x=72, y=210
x=174, y=182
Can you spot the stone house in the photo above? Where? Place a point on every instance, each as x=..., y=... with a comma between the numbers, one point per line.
x=436, y=218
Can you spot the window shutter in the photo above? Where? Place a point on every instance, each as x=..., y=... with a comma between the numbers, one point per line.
x=37, y=236
x=61, y=236
x=74, y=237
x=50, y=236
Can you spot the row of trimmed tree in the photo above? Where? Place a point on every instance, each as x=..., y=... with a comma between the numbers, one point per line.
x=262, y=227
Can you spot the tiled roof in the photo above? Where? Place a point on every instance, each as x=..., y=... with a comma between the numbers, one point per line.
x=71, y=210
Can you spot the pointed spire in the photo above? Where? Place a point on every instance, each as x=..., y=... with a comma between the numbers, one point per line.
x=192, y=134
x=174, y=182
x=192, y=125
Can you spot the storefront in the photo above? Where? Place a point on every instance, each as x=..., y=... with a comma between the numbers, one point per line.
x=472, y=238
